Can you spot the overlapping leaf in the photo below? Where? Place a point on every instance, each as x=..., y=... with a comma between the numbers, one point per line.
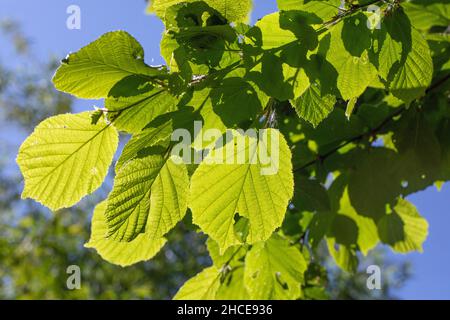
x=142, y=248
x=233, y=11
x=203, y=286
x=412, y=75
x=403, y=228
x=94, y=70
x=259, y=193
x=274, y=270
x=149, y=196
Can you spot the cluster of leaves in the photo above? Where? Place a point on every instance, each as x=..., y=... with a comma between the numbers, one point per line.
x=36, y=247
x=360, y=109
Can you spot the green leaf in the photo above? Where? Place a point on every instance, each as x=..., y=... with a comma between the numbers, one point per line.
x=197, y=38
x=334, y=129
x=155, y=137
x=369, y=190
x=350, y=107
x=233, y=11
x=219, y=104
x=419, y=153
x=312, y=106
x=278, y=79
x=424, y=15
x=355, y=71
x=413, y=74
x=229, y=95
x=201, y=102
x=66, y=158
x=142, y=248
x=274, y=270
x=325, y=10
x=443, y=135
x=403, y=229
x=390, y=53
x=310, y=195
x=220, y=259
x=354, y=75
x=233, y=286
x=258, y=192
x=365, y=235
x=344, y=256
x=203, y=286
x=149, y=196
x=270, y=34
x=440, y=47
x=148, y=141
x=94, y=70
x=132, y=114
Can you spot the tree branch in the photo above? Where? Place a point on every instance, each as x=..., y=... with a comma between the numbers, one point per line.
x=371, y=132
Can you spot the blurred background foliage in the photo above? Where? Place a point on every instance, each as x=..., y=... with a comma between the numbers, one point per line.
x=37, y=246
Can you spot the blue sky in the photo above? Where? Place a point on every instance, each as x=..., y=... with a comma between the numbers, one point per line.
x=44, y=22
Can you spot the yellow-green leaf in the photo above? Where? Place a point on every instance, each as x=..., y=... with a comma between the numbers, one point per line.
x=149, y=196
x=203, y=286
x=274, y=270
x=257, y=192
x=95, y=69
x=66, y=158
x=142, y=248
x=404, y=229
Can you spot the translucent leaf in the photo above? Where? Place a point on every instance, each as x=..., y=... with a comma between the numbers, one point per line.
x=278, y=79
x=412, y=75
x=365, y=235
x=440, y=47
x=233, y=11
x=390, y=53
x=274, y=270
x=350, y=107
x=149, y=140
x=149, y=196
x=132, y=114
x=197, y=38
x=142, y=248
x=229, y=95
x=203, y=286
x=257, y=192
x=403, y=229
x=355, y=75
x=228, y=257
x=350, y=59
x=220, y=105
x=233, y=286
x=270, y=35
x=155, y=137
x=425, y=15
x=444, y=141
x=324, y=9
x=312, y=106
x=66, y=158
x=201, y=101
x=344, y=256
x=95, y=69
